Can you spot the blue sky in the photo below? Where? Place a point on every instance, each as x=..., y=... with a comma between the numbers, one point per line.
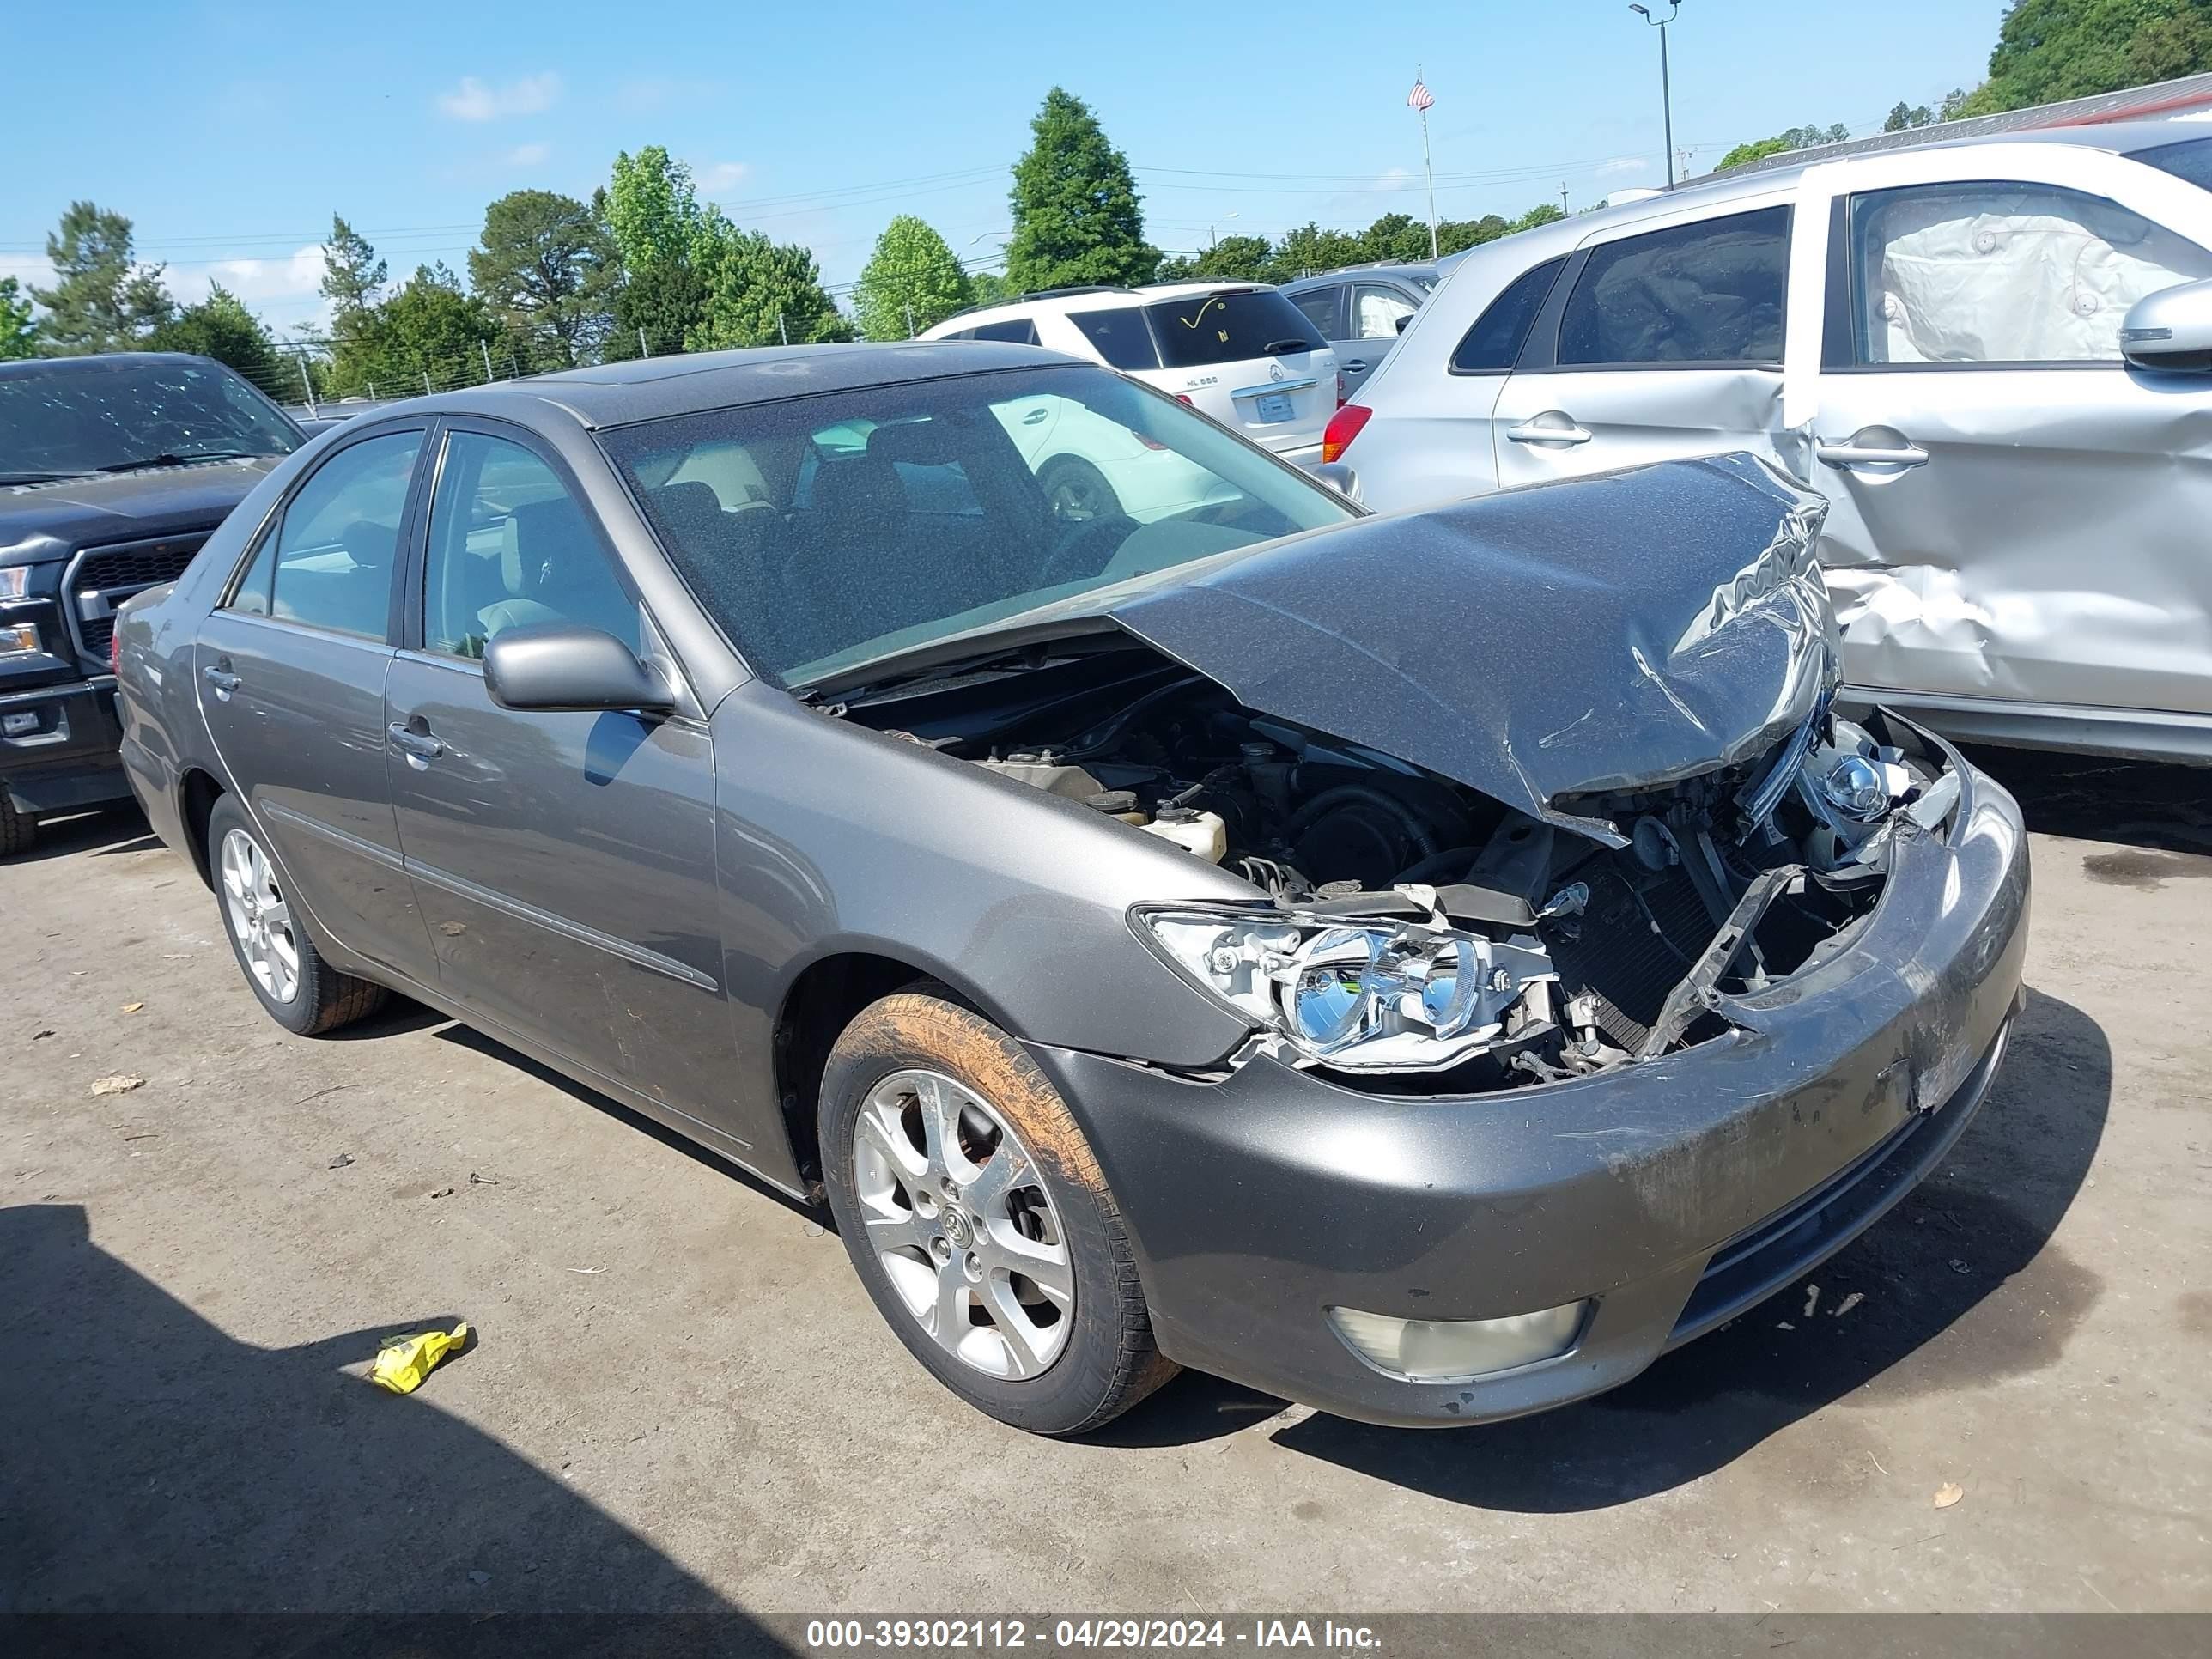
x=230, y=132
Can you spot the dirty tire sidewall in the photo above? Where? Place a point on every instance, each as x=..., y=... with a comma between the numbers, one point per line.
x=18, y=830
x=1110, y=1361
x=326, y=998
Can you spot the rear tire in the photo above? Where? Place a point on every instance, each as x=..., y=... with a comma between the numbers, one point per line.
x=18, y=831
x=300, y=991
x=942, y=1237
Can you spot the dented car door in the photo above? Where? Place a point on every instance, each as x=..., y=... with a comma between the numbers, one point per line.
x=2018, y=517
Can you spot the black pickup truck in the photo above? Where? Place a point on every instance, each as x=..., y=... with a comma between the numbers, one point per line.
x=113, y=469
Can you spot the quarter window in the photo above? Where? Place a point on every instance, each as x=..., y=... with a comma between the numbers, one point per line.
x=1120, y=336
x=510, y=546
x=1494, y=344
x=1706, y=292
x=329, y=563
x=2003, y=272
x=1015, y=330
x=1324, y=309
x=1375, y=312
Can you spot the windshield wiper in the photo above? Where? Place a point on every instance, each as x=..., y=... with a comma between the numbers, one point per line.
x=178, y=458
x=1276, y=348
x=44, y=477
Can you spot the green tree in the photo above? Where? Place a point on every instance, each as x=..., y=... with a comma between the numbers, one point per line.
x=100, y=300
x=426, y=333
x=1904, y=116
x=1309, y=248
x=2048, y=50
x=1457, y=235
x=758, y=292
x=353, y=275
x=18, y=330
x=990, y=287
x=1077, y=217
x=1803, y=137
x=546, y=267
x=1398, y=236
x=912, y=281
x=654, y=308
x=651, y=208
x=1231, y=260
x=220, y=327
x=1544, y=213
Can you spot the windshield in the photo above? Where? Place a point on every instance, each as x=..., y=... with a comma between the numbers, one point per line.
x=72, y=416
x=2191, y=159
x=822, y=533
x=1230, y=327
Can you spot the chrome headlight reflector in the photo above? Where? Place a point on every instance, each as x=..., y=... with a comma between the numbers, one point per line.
x=1380, y=995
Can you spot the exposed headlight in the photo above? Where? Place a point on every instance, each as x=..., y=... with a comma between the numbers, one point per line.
x=1365, y=996
x=14, y=582
x=19, y=640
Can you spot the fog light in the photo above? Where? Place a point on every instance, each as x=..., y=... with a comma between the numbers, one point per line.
x=1458, y=1350
x=15, y=725
x=20, y=639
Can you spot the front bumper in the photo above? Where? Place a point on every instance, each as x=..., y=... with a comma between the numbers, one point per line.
x=68, y=759
x=1675, y=1193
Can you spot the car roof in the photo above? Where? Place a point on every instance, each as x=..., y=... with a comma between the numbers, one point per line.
x=1061, y=301
x=651, y=388
x=99, y=360
x=1778, y=174
x=1414, y=267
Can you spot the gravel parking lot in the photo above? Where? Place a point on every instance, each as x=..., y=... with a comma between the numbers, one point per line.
x=681, y=1398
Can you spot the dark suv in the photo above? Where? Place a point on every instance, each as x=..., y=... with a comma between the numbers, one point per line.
x=112, y=471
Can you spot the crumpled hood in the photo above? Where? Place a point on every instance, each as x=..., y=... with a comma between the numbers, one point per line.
x=1611, y=633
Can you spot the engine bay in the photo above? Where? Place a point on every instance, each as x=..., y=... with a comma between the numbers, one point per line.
x=1419, y=928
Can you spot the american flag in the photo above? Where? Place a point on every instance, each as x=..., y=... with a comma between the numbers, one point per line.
x=1420, y=97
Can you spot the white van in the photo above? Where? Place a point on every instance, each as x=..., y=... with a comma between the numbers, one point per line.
x=1237, y=352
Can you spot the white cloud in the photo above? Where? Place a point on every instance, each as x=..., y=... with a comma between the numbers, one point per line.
x=256, y=282
x=528, y=156
x=1624, y=164
x=717, y=178
x=476, y=100
x=28, y=269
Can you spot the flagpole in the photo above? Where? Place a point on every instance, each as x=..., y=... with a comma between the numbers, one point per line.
x=1429, y=167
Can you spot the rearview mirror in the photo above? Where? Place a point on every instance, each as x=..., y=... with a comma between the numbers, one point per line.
x=2170, y=331
x=560, y=666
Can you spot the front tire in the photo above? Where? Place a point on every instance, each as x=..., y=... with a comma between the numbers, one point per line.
x=301, y=992
x=1078, y=491
x=18, y=831
x=975, y=1214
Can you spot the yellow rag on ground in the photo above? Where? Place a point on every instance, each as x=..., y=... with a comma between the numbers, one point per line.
x=403, y=1361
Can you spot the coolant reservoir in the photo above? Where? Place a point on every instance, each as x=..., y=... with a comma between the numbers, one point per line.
x=1202, y=833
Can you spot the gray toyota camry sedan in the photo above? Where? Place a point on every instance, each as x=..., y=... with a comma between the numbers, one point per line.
x=1423, y=965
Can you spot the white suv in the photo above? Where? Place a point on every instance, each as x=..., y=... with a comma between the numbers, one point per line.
x=1237, y=352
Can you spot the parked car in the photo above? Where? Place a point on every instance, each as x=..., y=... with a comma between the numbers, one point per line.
x=2019, y=468
x=112, y=471
x=1246, y=939
x=1237, y=352
x=1361, y=311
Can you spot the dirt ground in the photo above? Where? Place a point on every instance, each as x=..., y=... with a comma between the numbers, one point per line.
x=681, y=1399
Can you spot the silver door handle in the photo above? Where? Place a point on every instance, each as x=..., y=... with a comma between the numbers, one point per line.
x=1356, y=365
x=1529, y=433
x=224, y=683
x=1863, y=455
x=415, y=746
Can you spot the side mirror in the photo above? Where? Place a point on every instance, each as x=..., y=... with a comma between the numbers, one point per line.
x=560, y=666
x=1338, y=476
x=1403, y=321
x=2170, y=331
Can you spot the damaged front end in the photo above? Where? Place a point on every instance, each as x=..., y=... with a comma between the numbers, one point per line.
x=1525, y=789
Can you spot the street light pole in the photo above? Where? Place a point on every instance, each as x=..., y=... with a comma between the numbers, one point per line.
x=1666, y=78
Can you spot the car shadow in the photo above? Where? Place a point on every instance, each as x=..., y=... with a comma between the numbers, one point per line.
x=1957, y=1287
x=2091, y=798
x=468, y=1037
x=160, y=1466
x=103, y=832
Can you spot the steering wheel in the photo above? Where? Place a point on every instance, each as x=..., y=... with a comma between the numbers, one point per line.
x=1086, y=552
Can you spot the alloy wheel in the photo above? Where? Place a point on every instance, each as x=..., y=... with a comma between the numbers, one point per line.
x=959, y=1219
x=260, y=918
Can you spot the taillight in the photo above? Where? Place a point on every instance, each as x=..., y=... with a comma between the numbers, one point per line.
x=1184, y=397
x=1343, y=427
x=1149, y=443
x=115, y=648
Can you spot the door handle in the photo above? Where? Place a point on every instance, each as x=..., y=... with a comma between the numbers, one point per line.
x=1356, y=365
x=1536, y=431
x=419, y=747
x=223, y=682
x=1851, y=454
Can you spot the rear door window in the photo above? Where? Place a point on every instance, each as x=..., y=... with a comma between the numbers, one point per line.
x=1324, y=309
x=1493, y=345
x=1015, y=330
x=1376, y=309
x=1230, y=327
x=1121, y=337
x=1711, y=292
